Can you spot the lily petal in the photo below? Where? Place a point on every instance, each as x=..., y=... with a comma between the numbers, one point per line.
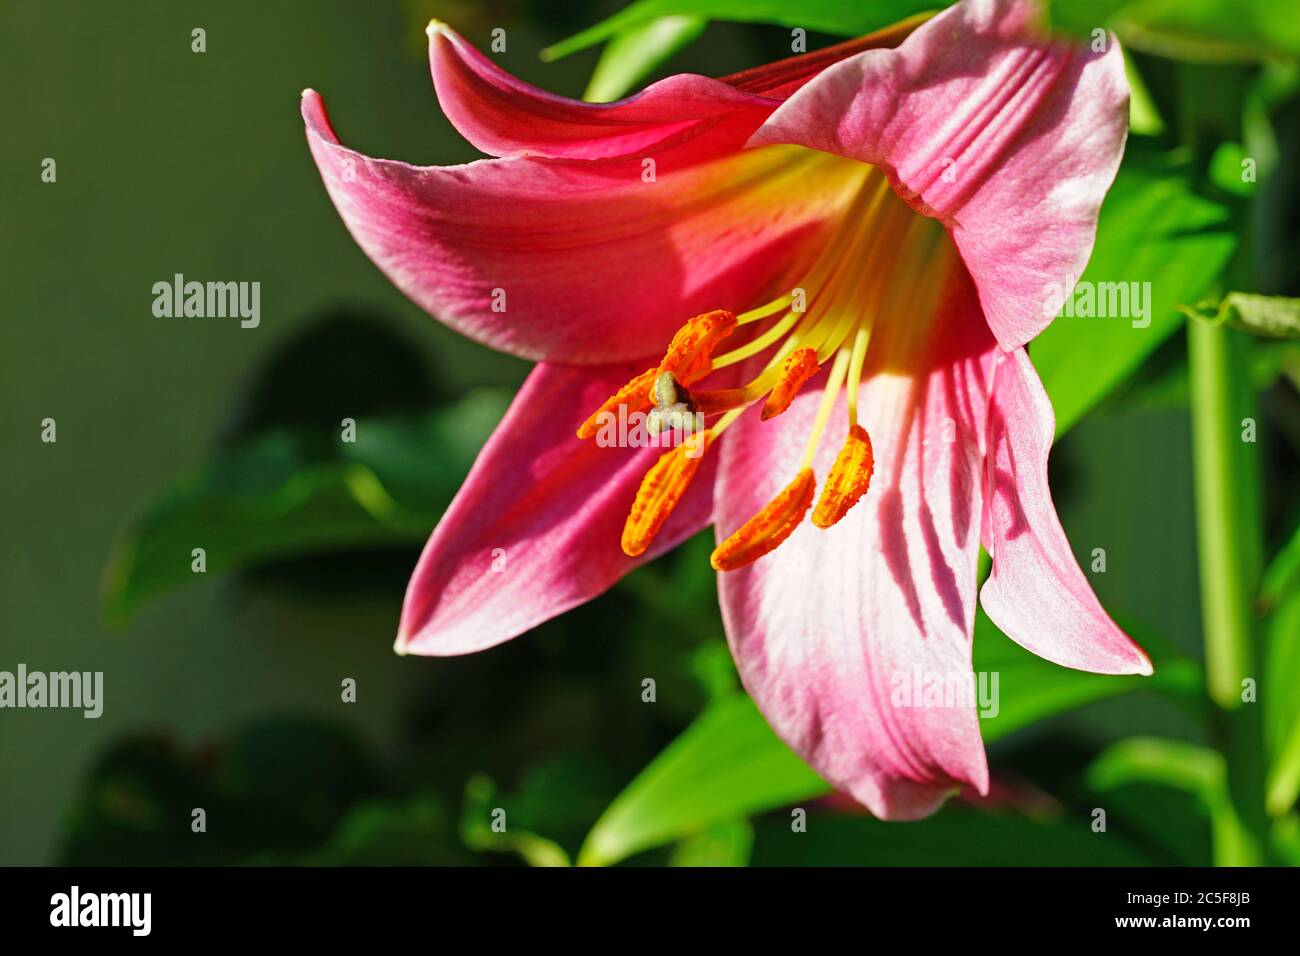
x=580, y=262
x=830, y=626
x=1037, y=593
x=1007, y=137
x=503, y=116
x=535, y=528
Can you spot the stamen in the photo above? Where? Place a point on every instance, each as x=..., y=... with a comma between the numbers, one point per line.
x=635, y=394
x=800, y=366
x=661, y=489
x=763, y=311
x=831, y=392
x=856, y=362
x=689, y=359
x=767, y=529
x=849, y=478
x=691, y=349
x=742, y=352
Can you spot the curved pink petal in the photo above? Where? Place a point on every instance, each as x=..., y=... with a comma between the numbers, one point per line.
x=580, y=262
x=1010, y=139
x=535, y=529
x=833, y=627
x=1037, y=593
x=502, y=115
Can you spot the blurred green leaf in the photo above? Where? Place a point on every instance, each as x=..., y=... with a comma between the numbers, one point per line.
x=1171, y=825
x=827, y=16
x=1273, y=316
x=725, y=844
x=1198, y=30
x=414, y=832
x=1031, y=689
x=726, y=765
x=1143, y=117
x=1163, y=382
x=1282, y=704
x=1187, y=767
x=292, y=492
x=1153, y=229
x=1283, y=574
x=1173, y=763
x=1286, y=839
x=729, y=764
x=1233, y=171
x=636, y=52
x=956, y=836
x=485, y=825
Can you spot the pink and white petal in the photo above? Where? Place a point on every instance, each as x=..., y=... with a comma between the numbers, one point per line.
x=1037, y=593
x=535, y=529
x=504, y=116
x=833, y=629
x=584, y=263
x=1009, y=138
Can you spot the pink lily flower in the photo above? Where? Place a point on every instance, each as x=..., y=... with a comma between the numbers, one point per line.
x=863, y=235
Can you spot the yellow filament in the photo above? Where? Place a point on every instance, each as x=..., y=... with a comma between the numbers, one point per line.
x=758, y=344
x=763, y=311
x=832, y=391
x=847, y=240
x=856, y=362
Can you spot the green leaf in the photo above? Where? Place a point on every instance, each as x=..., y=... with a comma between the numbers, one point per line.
x=1197, y=30
x=414, y=832
x=726, y=844
x=729, y=764
x=726, y=765
x=636, y=52
x=1272, y=316
x=1143, y=117
x=290, y=493
x=826, y=16
x=1282, y=705
x=1187, y=767
x=1190, y=768
x=485, y=826
x=1031, y=689
x=1233, y=171
x=1155, y=231
x=1283, y=574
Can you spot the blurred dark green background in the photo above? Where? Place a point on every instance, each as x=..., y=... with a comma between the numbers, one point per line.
x=225, y=693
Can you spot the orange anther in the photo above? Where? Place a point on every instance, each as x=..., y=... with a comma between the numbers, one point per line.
x=767, y=529
x=661, y=489
x=690, y=352
x=635, y=395
x=849, y=478
x=800, y=365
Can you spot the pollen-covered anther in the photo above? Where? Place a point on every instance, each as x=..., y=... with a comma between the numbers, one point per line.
x=635, y=395
x=800, y=365
x=767, y=529
x=661, y=489
x=849, y=479
x=691, y=350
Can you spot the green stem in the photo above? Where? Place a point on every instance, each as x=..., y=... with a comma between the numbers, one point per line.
x=1228, y=538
